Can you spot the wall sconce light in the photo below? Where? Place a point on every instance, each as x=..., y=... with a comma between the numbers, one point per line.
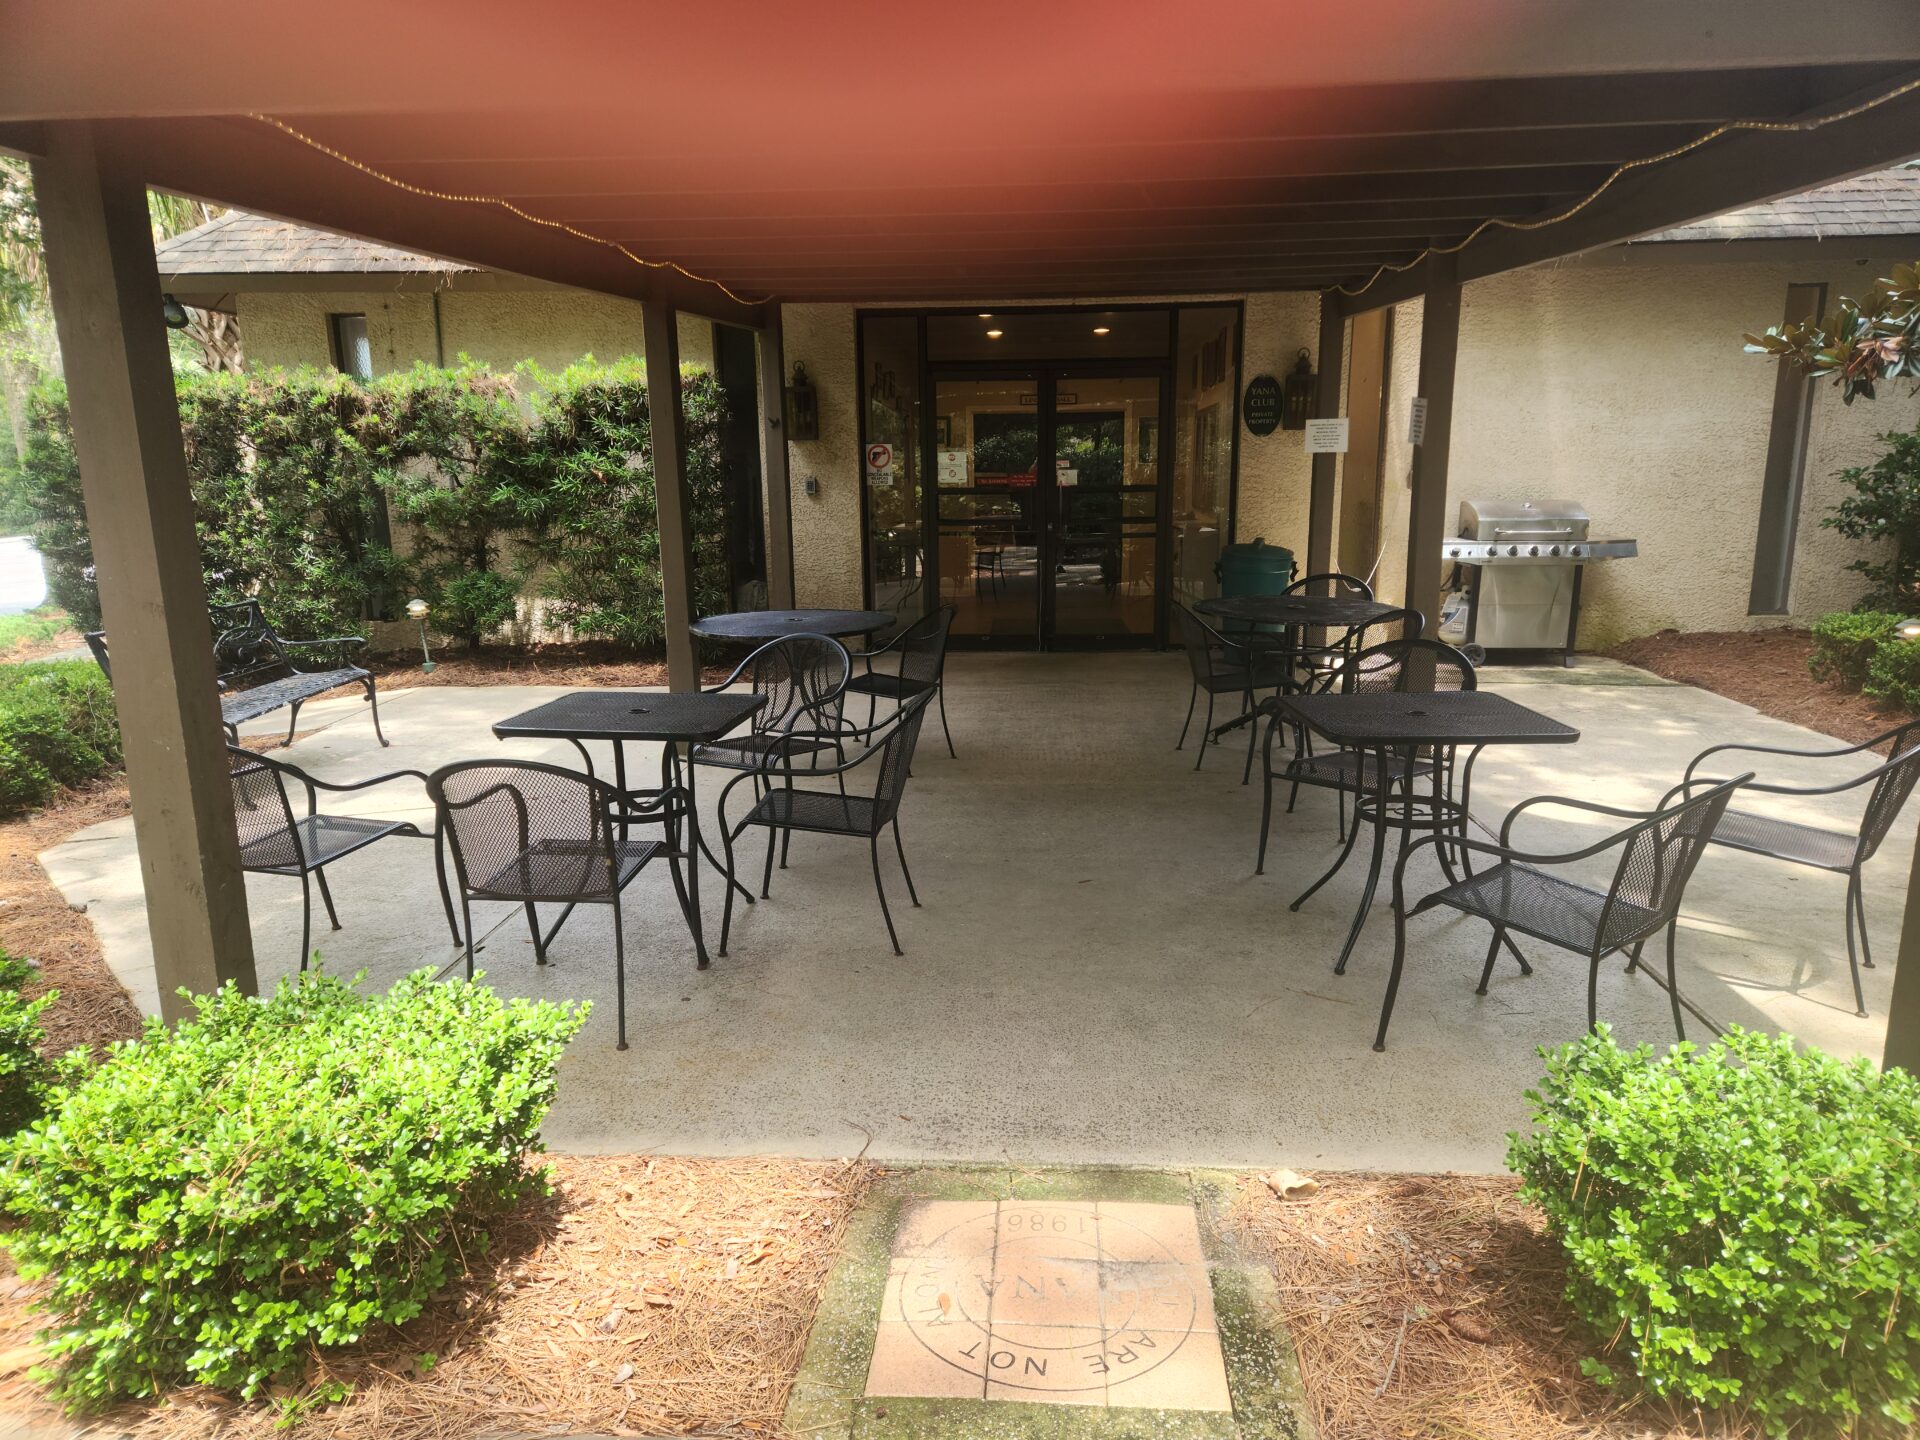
x=417, y=611
x=173, y=312
x=1297, y=392
x=1909, y=629
x=802, y=407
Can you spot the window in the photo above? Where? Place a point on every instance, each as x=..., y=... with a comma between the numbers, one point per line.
x=352, y=352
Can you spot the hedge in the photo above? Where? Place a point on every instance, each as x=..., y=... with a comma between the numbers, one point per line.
x=57, y=728
x=506, y=486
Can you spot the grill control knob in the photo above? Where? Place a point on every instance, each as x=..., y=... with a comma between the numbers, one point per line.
x=1573, y=550
x=1553, y=550
x=1533, y=550
x=1513, y=549
x=1453, y=554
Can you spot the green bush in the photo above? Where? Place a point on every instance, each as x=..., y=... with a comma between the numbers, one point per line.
x=1885, y=509
x=1843, y=644
x=214, y=1200
x=1741, y=1224
x=57, y=728
x=26, y=1076
x=299, y=476
x=1894, y=673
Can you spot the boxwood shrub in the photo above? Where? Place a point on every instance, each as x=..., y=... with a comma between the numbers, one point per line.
x=26, y=1075
x=214, y=1200
x=1894, y=673
x=1741, y=1226
x=1844, y=644
x=57, y=727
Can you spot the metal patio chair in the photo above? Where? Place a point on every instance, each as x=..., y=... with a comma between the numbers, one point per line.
x=1378, y=668
x=781, y=807
x=1841, y=852
x=804, y=678
x=530, y=833
x=1226, y=667
x=276, y=841
x=1518, y=896
x=922, y=648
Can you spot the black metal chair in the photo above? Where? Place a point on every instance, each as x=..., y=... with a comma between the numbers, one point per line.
x=804, y=678
x=781, y=807
x=1658, y=852
x=1843, y=853
x=276, y=841
x=922, y=648
x=1384, y=667
x=1337, y=583
x=1225, y=667
x=528, y=833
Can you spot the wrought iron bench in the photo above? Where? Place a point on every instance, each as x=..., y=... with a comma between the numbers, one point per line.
x=257, y=672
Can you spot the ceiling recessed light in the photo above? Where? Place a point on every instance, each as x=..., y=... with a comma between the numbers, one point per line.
x=995, y=334
x=986, y=314
x=1101, y=329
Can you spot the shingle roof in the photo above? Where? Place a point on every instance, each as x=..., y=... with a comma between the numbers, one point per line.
x=1886, y=203
x=237, y=243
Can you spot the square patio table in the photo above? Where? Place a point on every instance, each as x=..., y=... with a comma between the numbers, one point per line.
x=669, y=718
x=1390, y=723
x=1294, y=612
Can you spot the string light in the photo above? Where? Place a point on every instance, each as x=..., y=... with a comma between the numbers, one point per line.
x=428, y=193
x=1541, y=223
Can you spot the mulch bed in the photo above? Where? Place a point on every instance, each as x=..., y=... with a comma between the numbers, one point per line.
x=583, y=664
x=646, y=1296
x=1430, y=1306
x=1766, y=669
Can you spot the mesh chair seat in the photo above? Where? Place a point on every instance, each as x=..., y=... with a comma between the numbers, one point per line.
x=817, y=810
x=1540, y=904
x=1786, y=840
x=888, y=686
x=566, y=870
x=263, y=699
x=745, y=752
x=321, y=838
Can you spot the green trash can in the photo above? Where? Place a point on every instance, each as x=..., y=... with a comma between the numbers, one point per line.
x=1253, y=569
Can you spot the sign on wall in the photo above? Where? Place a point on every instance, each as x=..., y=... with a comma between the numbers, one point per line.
x=1327, y=437
x=1260, y=406
x=879, y=464
x=1417, y=421
x=953, y=467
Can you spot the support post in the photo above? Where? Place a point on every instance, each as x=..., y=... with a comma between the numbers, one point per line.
x=1903, y=1009
x=777, y=504
x=1427, y=519
x=1326, y=406
x=126, y=435
x=667, y=436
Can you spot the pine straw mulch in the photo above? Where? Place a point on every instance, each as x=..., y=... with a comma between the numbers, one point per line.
x=646, y=1296
x=1430, y=1306
x=1766, y=669
x=580, y=664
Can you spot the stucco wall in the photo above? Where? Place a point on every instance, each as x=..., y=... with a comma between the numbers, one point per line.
x=1625, y=387
x=500, y=328
x=1276, y=473
x=826, y=526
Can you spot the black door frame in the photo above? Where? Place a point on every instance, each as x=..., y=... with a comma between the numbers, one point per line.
x=1045, y=375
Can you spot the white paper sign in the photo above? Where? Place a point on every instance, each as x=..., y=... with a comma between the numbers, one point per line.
x=1417, y=421
x=953, y=467
x=1327, y=437
x=1067, y=477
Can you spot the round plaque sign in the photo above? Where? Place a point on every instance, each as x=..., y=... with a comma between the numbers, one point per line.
x=1040, y=1304
x=1261, y=405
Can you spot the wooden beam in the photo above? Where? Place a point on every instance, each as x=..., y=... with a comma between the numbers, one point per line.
x=1427, y=518
x=667, y=428
x=1737, y=170
x=1326, y=406
x=1903, y=1009
x=126, y=435
x=777, y=503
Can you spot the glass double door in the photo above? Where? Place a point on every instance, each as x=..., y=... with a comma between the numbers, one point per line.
x=1049, y=505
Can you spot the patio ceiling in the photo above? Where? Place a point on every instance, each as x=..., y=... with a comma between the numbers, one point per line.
x=1006, y=150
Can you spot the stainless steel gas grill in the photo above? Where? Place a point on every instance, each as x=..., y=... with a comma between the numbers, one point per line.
x=1522, y=563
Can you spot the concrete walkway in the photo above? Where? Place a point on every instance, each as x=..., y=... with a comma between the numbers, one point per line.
x=1097, y=976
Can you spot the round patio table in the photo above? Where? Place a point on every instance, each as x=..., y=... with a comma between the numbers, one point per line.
x=772, y=624
x=1331, y=611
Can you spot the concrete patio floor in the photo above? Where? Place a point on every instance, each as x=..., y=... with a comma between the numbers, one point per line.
x=1096, y=976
